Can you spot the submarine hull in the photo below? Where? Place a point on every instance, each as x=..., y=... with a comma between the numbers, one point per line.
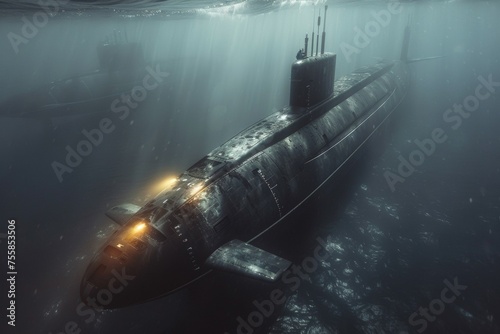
x=252, y=196
x=207, y=218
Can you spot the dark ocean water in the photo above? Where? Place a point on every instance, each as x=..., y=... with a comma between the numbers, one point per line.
x=390, y=253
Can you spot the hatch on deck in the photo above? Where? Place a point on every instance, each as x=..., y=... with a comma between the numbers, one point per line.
x=205, y=168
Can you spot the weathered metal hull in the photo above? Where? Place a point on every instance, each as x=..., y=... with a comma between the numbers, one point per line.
x=246, y=186
x=275, y=165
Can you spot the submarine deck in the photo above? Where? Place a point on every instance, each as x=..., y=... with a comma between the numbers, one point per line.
x=281, y=124
x=257, y=138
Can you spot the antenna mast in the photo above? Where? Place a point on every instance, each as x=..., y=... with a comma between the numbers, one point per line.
x=312, y=42
x=323, y=35
x=317, y=36
x=306, y=44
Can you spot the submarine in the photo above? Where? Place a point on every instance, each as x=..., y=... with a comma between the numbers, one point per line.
x=121, y=67
x=208, y=217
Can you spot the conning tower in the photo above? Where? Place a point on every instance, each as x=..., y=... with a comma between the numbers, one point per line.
x=312, y=77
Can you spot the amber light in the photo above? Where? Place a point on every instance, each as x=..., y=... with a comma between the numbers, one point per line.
x=139, y=227
x=164, y=185
x=170, y=182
